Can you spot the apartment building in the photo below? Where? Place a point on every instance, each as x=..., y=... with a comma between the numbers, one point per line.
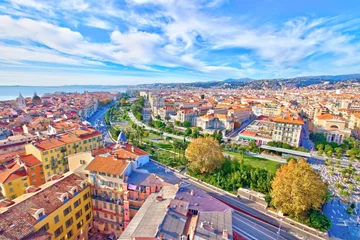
x=267, y=109
x=16, y=142
x=53, y=151
x=13, y=181
x=212, y=122
x=121, y=180
x=187, y=114
x=181, y=212
x=288, y=129
x=354, y=123
x=240, y=114
x=59, y=209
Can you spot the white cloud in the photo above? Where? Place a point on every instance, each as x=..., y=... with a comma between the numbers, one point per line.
x=176, y=34
x=29, y=3
x=97, y=23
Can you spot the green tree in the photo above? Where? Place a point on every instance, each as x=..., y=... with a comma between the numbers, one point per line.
x=122, y=101
x=339, y=152
x=150, y=122
x=187, y=124
x=188, y=132
x=195, y=133
x=319, y=221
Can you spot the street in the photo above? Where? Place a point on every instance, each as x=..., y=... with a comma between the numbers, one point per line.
x=97, y=121
x=253, y=223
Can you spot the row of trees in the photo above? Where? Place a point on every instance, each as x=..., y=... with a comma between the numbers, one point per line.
x=296, y=190
x=286, y=146
x=137, y=108
x=350, y=147
x=206, y=161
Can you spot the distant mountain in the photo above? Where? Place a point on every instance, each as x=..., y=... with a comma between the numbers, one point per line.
x=248, y=83
x=240, y=80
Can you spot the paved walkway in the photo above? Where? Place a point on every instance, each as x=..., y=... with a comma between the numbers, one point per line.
x=264, y=156
x=147, y=127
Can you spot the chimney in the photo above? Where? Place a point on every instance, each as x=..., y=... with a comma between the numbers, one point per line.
x=225, y=234
x=132, y=149
x=192, y=192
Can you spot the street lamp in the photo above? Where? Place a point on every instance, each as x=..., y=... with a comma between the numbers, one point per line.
x=279, y=229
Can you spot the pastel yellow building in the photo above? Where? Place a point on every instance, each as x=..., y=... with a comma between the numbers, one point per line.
x=54, y=151
x=60, y=209
x=13, y=181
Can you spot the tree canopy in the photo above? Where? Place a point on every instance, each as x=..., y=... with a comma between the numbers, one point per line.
x=297, y=189
x=204, y=155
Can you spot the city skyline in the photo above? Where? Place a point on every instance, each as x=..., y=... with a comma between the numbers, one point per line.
x=139, y=41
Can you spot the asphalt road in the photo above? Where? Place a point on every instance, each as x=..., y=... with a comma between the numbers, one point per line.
x=247, y=221
x=252, y=223
x=99, y=117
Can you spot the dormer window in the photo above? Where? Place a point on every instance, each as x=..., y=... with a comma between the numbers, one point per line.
x=38, y=214
x=63, y=197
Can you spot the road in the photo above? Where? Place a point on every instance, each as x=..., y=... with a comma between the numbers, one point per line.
x=253, y=223
x=305, y=141
x=134, y=120
x=97, y=121
x=249, y=221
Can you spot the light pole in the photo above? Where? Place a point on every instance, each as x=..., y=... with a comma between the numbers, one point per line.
x=279, y=229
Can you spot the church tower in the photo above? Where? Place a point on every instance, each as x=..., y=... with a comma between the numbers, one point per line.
x=20, y=101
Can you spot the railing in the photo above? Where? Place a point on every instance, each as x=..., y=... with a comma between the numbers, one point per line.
x=109, y=200
x=136, y=199
x=134, y=207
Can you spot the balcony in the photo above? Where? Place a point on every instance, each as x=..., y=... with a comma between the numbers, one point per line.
x=107, y=189
x=102, y=221
x=109, y=200
x=136, y=200
x=135, y=207
x=110, y=212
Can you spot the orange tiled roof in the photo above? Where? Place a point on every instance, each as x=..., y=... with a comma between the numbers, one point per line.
x=108, y=165
x=248, y=133
x=126, y=151
x=69, y=138
x=328, y=116
x=102, y=150
x=11, y=173
x=288, y=120
x=48, y=144
x=10, y=155
x=30, y=160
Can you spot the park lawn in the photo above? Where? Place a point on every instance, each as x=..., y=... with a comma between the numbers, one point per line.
x=256, y=162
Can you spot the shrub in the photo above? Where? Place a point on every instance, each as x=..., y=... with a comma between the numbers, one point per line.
x=319, y=221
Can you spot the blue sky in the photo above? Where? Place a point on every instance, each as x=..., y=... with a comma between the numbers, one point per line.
x=53, y=42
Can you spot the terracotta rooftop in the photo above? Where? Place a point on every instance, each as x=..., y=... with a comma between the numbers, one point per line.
x=328, y=116
x=108, y=164
x=16, y=220
x=48, y=143
x=30, y=160
x=102, y=150
x=10, y=155
x=248, y=133
x=11, y=173
x=289, y=119
x=125, y=151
